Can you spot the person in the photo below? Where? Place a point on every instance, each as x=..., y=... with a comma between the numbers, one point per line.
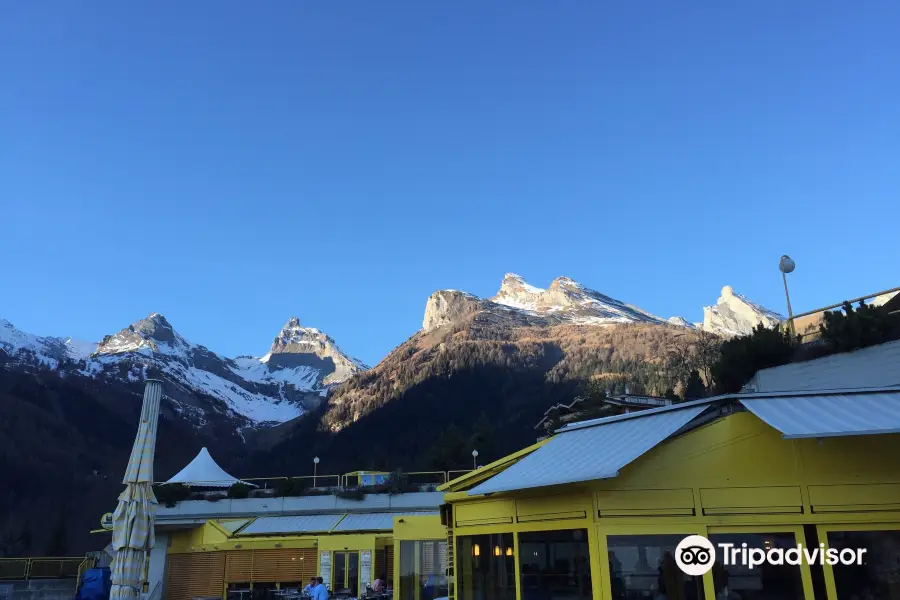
x=378, y=585
x=308, y=589
x=320, y=592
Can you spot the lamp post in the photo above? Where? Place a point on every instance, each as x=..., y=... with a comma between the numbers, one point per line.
x=474, y=459
x=315, y=468
x=787, y=265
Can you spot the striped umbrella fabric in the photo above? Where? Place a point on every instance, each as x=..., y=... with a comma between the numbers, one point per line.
x=133, y=520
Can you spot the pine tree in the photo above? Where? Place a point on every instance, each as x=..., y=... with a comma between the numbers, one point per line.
x=59, y=544
x=694, y=388
x=483, y=438
x=449, y=452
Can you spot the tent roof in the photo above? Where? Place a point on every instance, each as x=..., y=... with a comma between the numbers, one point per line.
x=204, y=472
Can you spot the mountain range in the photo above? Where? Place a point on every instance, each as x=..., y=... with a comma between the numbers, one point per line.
x=303, y=363
x=296, y=373
x=68, y=408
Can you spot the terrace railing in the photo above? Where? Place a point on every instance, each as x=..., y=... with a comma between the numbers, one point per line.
x=806, y=325
x=44, y=567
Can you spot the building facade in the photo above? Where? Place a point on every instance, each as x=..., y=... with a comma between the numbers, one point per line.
x=598, y=510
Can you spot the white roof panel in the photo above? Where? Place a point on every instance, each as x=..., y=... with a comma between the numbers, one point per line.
x=830, y=415
x=374, y=521
x=292, y=524
x=872, y=367
x=232, y=525
x=590, y=452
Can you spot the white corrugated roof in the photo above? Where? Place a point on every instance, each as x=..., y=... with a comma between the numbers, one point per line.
x=872, y=367
x=204, y=472
x=292, y=524
x=830, y=415
x=374, y=521
x=592, y=452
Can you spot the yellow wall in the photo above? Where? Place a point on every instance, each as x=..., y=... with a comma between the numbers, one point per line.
x=734, y=473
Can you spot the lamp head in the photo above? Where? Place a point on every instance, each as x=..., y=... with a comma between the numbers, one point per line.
x=786, y=264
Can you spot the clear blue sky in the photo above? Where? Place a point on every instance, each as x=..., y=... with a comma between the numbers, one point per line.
x=230, y=164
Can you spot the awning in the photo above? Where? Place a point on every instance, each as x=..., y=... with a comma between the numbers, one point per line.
x=830, y=415
x=597, y=451
x=203, y=471
x=292, y=524
x=373, y=521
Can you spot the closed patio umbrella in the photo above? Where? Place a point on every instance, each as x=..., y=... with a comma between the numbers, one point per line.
x=133, y=520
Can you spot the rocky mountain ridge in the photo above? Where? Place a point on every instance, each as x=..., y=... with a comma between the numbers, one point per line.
x=300, y=367
x=566, y=301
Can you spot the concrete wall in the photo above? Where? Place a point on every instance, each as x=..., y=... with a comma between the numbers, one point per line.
x=43, y=589
x=298, y=505
x=157, y=572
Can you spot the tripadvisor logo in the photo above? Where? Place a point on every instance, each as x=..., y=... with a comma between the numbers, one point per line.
x=695, y=555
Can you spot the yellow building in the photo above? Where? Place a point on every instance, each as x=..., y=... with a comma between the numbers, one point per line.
x=597, y=510
x=250, y=548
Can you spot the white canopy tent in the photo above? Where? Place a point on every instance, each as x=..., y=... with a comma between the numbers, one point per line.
x=204, y=472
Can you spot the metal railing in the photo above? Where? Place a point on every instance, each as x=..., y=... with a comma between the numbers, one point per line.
x=43, y=567
x=808, y=327
x=156, y=594
x=268, y=485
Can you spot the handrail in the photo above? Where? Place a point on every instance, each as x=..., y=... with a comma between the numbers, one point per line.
x=88, y=563
x=840, y=304
x=451, y=475
x=25, y=568
x=251, y=479
x=812, y=330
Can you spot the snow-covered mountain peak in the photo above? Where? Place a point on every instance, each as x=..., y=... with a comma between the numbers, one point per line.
x=45, y=351
x=153, y=334
x=296, y=346
x=735, y=315
x=680, y=322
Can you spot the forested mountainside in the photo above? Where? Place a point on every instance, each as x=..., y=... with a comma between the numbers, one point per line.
x=480, y=375
x=64, y=444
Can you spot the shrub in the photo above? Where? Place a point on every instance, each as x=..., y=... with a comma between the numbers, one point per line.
x=351, y=494
x=172, y=493
x=293, y=486
x=866, y=326
x=239, y=491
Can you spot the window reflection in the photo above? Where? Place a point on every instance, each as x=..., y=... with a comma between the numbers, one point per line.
x=763, y=582
x=643, y=566
x=423, y=568
x=486, y=567
x=555, y=564
x=878, y=578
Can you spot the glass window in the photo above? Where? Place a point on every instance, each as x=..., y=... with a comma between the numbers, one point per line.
x=643, y=566
x=423, y=570
x=486, y=567
x=878, y=578
x=738, y=582
x=555, y=564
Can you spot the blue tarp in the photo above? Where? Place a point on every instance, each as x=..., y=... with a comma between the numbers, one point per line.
x=95, y=585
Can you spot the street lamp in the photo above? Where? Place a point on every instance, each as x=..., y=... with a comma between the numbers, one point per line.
x=787, y=265
x=315, y=468
x=474, y=459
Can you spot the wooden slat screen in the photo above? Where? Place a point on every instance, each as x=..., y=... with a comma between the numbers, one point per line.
x=239, y=566
x=285, y=565
x=197, y=574
x=389, y=561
